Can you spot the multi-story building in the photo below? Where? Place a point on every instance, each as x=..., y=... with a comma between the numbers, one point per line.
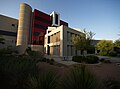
x=29, y=29
x=58, y=41
x=8, y=31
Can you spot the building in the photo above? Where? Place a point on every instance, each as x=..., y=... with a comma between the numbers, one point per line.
x=58, y=41
x=29, y=29
x=8, y=31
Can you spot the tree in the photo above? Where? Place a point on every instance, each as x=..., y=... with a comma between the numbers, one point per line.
x=83, y=41
x=117, y=46
x=105, y=45
x=117, y=43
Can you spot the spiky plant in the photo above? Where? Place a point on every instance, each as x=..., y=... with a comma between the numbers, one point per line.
x=43, y=81
x=111, y=83
x=79, y=78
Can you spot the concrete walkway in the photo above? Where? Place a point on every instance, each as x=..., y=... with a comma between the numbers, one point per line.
x=112, y=59
x=69, y=61
x=62, y=61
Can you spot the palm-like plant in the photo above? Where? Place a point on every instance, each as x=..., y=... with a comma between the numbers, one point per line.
x=79, y=78
x=43, y=81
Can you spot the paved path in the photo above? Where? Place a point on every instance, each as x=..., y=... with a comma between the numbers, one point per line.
x=62, y=61
x=70, y=62
x=112, y=59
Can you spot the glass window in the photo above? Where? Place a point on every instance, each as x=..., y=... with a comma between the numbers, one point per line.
x=56, y=18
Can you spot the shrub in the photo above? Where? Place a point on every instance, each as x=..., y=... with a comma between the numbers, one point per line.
x=78, y=59
x=103, y=53
x=111, y=83
x=87, y=59
x=91, y=59
x=112, y=53
x=102, y=60
x=43, y=81
x=44, y=60
x=79, y=78
x=51, y=61
x=14, y=71
x=107, y=61
x=36, y=56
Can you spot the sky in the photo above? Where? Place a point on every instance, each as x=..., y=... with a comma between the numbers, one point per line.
x=99, y=16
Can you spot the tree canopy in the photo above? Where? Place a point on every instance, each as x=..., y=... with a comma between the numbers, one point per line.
x=83, y=41
x=105, y=45
x=117, y=43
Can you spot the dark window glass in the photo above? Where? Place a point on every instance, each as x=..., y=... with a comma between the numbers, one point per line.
x=8, y=33
x=40, y=26
x=56, y=18
x=49, y=31
x=36, y=33
x=13, y=25
x=42, y=19
x=48, y=39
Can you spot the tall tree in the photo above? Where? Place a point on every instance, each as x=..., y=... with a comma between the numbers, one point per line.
x=83, y=41
x=105, y=45
x=117, y=43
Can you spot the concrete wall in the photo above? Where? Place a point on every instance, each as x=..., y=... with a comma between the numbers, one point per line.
x=60, y=41
x=8, y=30
x=24, y=27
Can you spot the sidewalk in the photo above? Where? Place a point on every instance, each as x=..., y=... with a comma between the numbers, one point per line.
x=61, y=60
x=112, y=59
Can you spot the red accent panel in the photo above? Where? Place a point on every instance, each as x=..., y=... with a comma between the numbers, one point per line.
x=63, y=23
x=39, y=30
x=41, y=14
x=42, y=23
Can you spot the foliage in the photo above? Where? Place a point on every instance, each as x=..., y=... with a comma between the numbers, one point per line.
x=111, y=83
x=87, y=59
x=35, y=55
x=14, y=71
x=117, y=43
x=78, y=59
x=1, y=40
x=105, y=45
x=103, y=53
x=113, y=53
x=91, y=59
x=47, y=80
x=83, y=41
x=79, y=78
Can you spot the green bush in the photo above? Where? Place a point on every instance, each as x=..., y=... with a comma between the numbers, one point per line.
x=111, y=83
x=14, y=71
x=91, y=59
x=51, y=61
x=87, y=59
x=103, y=53
x=112, y=53
x=78, y=59
x=79, y=78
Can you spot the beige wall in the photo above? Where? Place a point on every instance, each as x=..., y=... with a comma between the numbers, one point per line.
x=24, y=27
x=8, y=24
x=60, y=41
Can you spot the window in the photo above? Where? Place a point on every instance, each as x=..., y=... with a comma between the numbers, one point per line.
x=56, y=18
x=48, y=39
x=36, y=33
x=13, y=25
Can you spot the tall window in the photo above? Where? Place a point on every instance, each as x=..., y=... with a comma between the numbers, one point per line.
x=56, y=19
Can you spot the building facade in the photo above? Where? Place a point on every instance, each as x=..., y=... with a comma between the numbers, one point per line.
x=8, y=31
x=29, y=29
x=58, y=41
